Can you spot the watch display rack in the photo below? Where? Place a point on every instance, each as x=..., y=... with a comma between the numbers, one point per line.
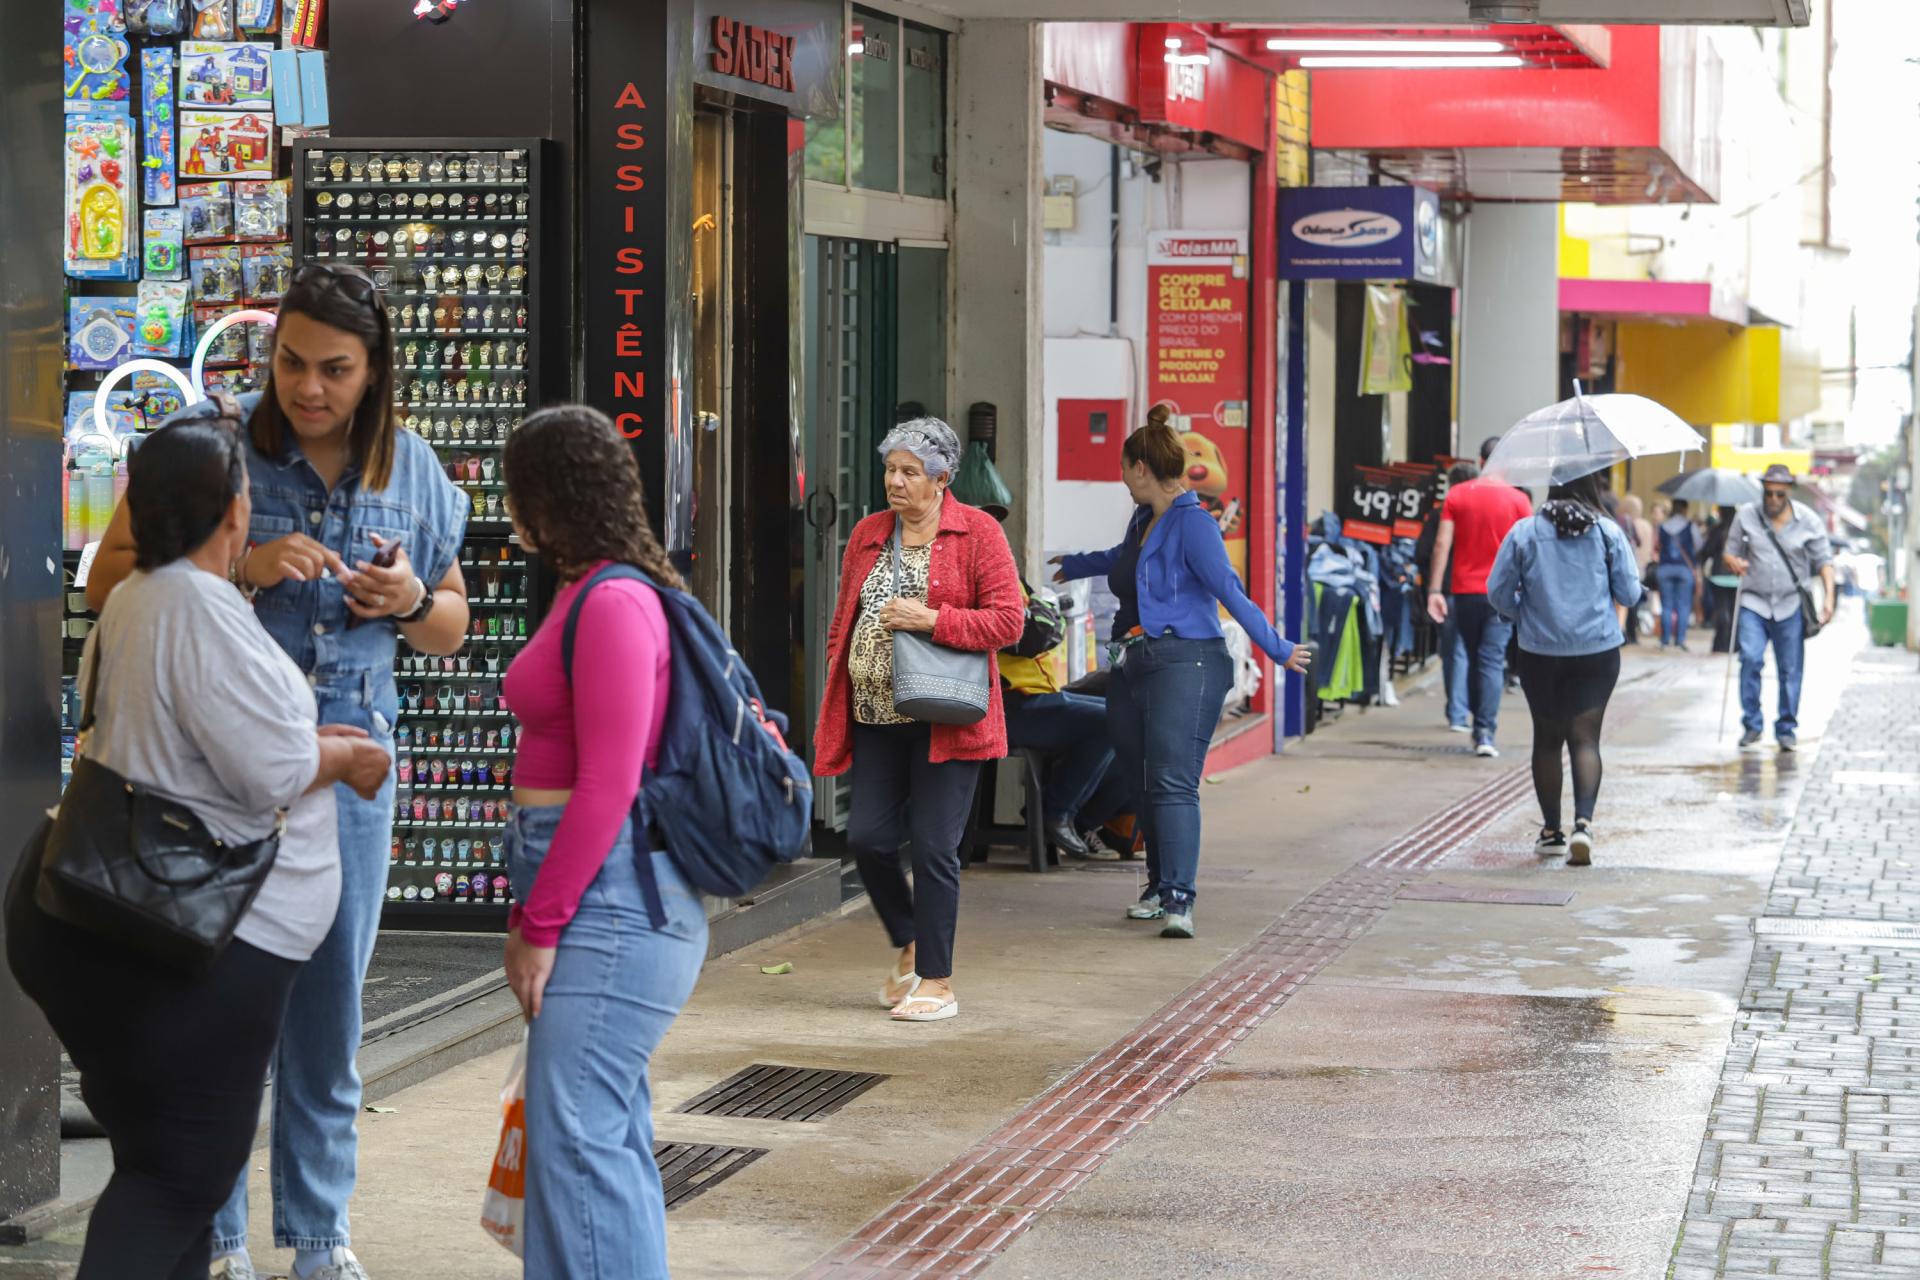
x=450, y=231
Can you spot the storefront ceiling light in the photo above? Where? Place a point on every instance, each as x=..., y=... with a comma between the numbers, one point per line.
x=1173, y=42
x=1408, y=62
x=1189, y=59
x=857, y=48
x=1287, y=44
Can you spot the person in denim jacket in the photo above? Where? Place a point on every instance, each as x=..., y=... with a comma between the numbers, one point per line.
x=333, y=480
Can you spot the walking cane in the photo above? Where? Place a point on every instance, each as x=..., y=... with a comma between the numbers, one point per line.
x=1733, y=651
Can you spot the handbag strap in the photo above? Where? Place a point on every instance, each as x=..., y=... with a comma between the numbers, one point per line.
x=93, y=686
x=895, y=588
x=1780, y=547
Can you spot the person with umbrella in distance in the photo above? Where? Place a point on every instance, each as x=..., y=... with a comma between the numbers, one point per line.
x=1777, y=547
x=1559, y=577
x=1723, y=490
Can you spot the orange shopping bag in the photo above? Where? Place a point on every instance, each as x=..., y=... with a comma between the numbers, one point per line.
x=504, y=1208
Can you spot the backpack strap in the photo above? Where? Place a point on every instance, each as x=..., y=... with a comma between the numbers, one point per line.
x=642, y=828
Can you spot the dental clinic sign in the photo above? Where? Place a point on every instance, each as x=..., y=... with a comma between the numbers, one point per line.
x=1362, y=233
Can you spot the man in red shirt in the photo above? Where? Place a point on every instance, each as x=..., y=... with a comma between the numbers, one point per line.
x=1473, y=523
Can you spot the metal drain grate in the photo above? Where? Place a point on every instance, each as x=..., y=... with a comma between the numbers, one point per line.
x=688, y=1168
x=1816, y=928
x=764, y=1092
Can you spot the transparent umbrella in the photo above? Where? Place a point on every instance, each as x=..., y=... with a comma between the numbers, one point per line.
x=1577, y=437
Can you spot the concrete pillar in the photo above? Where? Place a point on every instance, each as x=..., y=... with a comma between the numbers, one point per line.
x=996, y=260
x=1510, y=323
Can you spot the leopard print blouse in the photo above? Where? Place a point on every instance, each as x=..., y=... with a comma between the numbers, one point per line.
x=870, y=655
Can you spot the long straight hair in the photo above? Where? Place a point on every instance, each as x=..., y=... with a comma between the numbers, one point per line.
x=370, y=435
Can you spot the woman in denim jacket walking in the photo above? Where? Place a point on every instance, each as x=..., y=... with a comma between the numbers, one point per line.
x=333, y=481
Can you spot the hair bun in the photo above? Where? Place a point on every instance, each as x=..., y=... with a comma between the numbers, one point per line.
x=1159, y=415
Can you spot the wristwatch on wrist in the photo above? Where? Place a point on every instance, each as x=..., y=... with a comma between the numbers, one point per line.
x=420, y=611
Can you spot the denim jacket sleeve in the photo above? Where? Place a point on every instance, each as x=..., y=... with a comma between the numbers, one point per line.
x=1205, y=553
x=1622, y=569
x=440, y=508
x=1506, y=583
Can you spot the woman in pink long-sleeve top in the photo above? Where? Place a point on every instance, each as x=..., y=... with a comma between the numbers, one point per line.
x=958, y=585
x=600, y=975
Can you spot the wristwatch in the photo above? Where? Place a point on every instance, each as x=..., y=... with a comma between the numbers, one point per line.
x=421, y=610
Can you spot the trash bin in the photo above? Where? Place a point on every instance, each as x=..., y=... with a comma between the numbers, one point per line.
x=1887, y=622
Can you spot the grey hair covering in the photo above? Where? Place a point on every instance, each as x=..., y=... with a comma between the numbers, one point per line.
x=928, y=439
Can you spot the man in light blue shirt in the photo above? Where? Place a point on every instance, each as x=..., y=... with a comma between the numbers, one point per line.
x=1777, y=547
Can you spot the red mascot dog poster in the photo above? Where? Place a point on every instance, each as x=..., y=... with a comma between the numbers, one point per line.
x=1197, y=300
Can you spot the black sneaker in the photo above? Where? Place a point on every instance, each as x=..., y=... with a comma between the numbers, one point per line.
x=1788, y=742
x=1750, y=739
x=1552, y=843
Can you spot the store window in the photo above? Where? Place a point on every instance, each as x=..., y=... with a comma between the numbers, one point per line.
x=891, y=135
x=924, y=110
x=873, y=110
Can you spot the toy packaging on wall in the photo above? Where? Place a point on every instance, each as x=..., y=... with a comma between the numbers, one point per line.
x=307, y=23
x=156, y=17
x=227, y=76
x=226, y=144
x=216, y=273
x=123, y=418
x=208, y=211
x=99, y=331
x=260, y=17
x=260, y=210
x=230, y=345
x=102, y=210
x=156, y=126
x=266, y=271
x=233, y=382
x=213, y=19
x=164, y=254
x=259, y=344
x=161, y=319
x=96, y=52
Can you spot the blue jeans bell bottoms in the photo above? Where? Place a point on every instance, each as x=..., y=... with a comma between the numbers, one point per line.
x=315, y=1106
x=594, y=1206
x=1163, y=705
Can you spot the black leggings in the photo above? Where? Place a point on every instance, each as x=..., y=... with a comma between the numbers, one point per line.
x=173, y=1069
x=1568, y=700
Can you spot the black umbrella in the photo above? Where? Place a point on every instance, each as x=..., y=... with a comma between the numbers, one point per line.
x=1714, y=486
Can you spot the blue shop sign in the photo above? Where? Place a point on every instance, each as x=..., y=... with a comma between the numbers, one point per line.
x=1362, y=233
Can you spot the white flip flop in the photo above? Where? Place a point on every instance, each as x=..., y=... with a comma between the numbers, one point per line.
x=909, y=978
x=944, y=1007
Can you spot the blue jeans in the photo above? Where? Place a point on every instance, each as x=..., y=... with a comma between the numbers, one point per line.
x=1789, y=650
x=314, y=1146
x=594, y=1205
x=1676, y=601
x=1484, y=636
x=1072, y=729
x=1454, y=666
x=1163, y=704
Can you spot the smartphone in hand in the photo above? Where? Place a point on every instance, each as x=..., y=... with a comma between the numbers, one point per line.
x=383, y=558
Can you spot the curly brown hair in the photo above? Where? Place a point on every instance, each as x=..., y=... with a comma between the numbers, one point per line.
x=574, y=486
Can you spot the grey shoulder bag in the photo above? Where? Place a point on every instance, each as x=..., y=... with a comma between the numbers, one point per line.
x=932, y=683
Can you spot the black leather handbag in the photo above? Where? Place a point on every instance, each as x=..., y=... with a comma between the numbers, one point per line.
x=142, y=870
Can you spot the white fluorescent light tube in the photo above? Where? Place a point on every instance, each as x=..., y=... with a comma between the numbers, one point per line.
x=1173, y=42
x=1408, y=63
x=1190, y=59
x=1290, y=45
x=857, y=48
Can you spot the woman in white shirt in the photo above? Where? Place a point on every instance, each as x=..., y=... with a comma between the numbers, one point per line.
x=197, y=704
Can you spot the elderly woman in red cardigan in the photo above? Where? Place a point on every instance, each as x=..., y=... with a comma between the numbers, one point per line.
x=909, y=780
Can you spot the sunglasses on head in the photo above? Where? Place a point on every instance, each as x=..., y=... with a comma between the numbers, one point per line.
x=352, y=281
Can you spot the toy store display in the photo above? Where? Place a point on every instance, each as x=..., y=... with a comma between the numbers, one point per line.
x=450, y=231
x=176, y=216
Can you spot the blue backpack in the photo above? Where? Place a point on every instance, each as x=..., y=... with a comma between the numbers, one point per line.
x=727, y=801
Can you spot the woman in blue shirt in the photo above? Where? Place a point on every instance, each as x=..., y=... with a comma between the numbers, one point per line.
x=1558, y=577
x=1171, y=672
x=333, y=479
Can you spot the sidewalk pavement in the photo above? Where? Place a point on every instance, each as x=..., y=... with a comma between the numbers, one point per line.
x=1334, y=1079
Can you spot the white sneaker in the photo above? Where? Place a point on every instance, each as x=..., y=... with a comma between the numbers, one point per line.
x=234, y=1266
x=342, y=1266
x=1459, y=728
x=1148, y=908
x=1486, y=751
